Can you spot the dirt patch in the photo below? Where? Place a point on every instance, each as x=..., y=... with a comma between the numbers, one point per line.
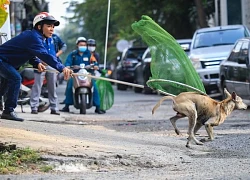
x=49, y=143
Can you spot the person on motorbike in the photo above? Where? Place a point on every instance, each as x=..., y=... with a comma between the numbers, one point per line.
x=26, y=46
x=77, y=57
x=92, y=48
x=91, y=43
x=56, y=47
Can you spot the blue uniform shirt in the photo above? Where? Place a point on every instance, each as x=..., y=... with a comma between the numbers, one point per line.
x=49, y=45
x=26, y=46
x=74, y=58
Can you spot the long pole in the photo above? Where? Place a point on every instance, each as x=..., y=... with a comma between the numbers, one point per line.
x=96, y=77
x=107, y=32
x=108, y=79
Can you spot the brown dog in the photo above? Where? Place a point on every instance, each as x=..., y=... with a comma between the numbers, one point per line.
x=199, y=108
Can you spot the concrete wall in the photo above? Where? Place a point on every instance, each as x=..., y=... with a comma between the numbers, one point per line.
x=246, y=12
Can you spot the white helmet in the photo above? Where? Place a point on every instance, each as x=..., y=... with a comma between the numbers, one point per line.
x=81, y=39
x=45, y=16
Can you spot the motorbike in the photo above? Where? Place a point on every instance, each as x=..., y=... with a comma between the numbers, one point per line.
x=27, y=75
x=24, y=99
x=82, y=89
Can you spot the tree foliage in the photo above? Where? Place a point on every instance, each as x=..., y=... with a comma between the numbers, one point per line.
x=179, y=18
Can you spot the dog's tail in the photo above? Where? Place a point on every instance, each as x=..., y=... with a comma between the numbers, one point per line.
x=161, y=100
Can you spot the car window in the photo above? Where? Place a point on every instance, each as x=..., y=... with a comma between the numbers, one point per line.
x=235, y=52
x=148, y=55
x=135, y=53
x=185, y=46
x=244, y=50
x=217, y=38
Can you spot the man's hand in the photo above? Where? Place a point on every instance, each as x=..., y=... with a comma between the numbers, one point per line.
x=67, y=73
x=41, y=67
x=44, y=63
x=96, y=67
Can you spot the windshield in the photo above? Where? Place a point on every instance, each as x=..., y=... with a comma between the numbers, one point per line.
x=135, y=53
x=218, y=38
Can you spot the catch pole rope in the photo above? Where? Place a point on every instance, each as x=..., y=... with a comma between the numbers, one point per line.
x=132, y=84
x=95, y=77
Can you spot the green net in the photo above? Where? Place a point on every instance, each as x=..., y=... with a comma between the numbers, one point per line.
x=172, y=71
x=106, y=92
x=3, y=13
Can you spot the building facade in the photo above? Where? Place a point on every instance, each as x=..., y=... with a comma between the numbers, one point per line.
x=228, y=12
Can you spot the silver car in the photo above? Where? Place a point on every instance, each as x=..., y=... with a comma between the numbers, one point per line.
x=209, y=47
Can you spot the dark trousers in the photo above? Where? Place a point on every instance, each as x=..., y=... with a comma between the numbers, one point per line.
x=10, y=85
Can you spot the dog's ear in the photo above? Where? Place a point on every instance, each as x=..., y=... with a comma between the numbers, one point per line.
x=234, y=96
x=227, y=93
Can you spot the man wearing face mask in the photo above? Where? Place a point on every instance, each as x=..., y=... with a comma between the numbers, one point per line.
x=77, y=57
x=94, y=55
x=92, y=47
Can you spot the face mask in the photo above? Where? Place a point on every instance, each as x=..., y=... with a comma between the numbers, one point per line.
x=82, y=48
x=91, y=48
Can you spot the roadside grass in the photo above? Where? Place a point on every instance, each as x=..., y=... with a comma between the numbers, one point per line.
x=18, y=160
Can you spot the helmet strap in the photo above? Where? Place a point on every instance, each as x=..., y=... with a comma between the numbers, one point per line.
x=41, y=30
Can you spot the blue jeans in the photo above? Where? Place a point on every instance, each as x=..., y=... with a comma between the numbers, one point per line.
x=10, y=84
x=69, y=94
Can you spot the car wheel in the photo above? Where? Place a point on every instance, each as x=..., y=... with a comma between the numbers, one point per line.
x=121, y=87
x=147, y=90
x=138, y=90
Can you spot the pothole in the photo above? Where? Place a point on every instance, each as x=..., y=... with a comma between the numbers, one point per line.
x=101, y=164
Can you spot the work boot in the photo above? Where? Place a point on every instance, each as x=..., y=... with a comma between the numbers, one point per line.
x=103, y=111
x=99, y=111
x=64, y=109
x=54, y=112
x=63, y=102
x=11, y=116
x=34, y=112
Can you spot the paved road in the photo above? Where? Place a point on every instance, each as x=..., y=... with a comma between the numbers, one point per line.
x=128, y=142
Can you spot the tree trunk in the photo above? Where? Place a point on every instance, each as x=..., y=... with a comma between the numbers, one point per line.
x=201, y=14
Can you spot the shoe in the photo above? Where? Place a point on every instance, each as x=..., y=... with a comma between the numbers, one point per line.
x=54, y=112
x=11, y=116
x=103, y=111
x=63, y=102
x=65, y=109
x=34, y=112
x=98, y=111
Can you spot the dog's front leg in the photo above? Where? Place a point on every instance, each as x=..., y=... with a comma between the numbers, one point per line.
x=197, y=127
x=209, y=128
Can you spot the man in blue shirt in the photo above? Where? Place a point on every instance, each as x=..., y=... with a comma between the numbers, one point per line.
x=17, y=51
x=55, y=46
x=77, y=57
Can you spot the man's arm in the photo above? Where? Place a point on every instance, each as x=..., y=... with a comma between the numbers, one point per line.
x=62, y=46
x=34, y=62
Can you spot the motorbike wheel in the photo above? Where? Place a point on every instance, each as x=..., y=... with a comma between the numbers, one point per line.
x=82, y=104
